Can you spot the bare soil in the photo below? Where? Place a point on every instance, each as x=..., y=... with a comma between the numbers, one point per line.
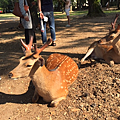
x=95, y=95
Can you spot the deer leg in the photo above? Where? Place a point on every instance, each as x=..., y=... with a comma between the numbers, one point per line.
x=108, y=60
x=116, y=48
x=89, y=52
x=35, y=97
x=111, y=63
x=55, y=102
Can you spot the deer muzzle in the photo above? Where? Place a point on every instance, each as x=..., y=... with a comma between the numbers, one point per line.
x=10, y=75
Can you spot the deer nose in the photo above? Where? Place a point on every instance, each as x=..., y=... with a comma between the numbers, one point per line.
x=10, y=75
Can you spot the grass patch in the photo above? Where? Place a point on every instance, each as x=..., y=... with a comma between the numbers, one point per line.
x=60, y=15
x=111, y=11
x=7, y=15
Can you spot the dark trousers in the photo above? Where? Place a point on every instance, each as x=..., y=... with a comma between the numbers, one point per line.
x=28, y=34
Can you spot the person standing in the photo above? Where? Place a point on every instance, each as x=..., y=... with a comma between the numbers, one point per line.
x=27, y=22
x=107, y=5
x=67, y=9
x=46, y=10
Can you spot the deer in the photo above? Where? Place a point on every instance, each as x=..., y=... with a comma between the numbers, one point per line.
x=51, y=80
x=107, y=48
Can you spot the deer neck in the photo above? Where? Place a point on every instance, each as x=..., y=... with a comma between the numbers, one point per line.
x=43, y=79
x=38, y=70
x=42, y=73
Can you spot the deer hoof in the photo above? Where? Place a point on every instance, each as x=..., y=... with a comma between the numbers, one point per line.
x=111, y=63
x=54, y=103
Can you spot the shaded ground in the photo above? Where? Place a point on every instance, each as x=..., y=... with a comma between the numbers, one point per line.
x=95, y=95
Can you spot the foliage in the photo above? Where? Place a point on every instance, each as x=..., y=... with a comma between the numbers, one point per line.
x=6, y=4
x=60, y=15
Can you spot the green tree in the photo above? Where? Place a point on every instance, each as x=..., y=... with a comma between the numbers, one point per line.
x=6, y=5
x=118, y=4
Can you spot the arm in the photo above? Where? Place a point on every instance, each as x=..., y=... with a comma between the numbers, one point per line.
x=21, y=5
x=40, y=11
x=66, y=2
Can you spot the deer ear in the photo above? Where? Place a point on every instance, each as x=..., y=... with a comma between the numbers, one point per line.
x=41, y=61
x=23, y=49
x=37, y=64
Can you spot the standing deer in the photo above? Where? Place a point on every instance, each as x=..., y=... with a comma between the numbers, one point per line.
x=107, y=48
x=51, y=81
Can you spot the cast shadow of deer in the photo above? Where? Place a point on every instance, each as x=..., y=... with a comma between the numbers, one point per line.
x=17, y=98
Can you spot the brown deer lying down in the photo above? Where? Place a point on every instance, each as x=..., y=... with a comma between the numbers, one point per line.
x=51, y=81
x=108, y=48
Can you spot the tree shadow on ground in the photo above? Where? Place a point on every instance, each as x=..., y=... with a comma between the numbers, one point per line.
x=79, y=24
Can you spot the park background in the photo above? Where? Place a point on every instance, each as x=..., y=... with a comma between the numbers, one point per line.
x=95, y=95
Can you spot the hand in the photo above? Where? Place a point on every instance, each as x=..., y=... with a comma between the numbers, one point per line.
x=41, y=15
x=26, y=18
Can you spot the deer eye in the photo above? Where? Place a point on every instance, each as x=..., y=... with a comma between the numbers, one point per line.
x=111, y=37
x=29, y=65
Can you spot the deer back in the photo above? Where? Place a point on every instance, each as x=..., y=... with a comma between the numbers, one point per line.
x=65, y=65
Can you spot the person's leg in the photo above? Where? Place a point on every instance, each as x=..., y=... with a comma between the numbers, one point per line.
x=68, y=17
x=28, y=34
x=44, y=35
x=43, y=32
x=32, y=33
x=52, y=26
x=34, y=39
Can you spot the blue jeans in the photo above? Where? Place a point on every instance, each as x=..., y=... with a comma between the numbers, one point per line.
x=51, y=22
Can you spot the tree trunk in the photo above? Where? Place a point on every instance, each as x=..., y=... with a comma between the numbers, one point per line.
x=118, y=4
x=94, y=9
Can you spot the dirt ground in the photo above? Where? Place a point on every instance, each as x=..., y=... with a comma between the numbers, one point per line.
x=95, y=95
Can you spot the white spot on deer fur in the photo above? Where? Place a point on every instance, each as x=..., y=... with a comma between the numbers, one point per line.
x=61, y=87
x=65, y=90
x=67, y=80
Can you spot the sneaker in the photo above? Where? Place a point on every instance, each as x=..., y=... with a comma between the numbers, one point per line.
x=67, y=25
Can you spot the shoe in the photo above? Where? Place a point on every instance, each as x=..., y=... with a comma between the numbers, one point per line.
x=67, y=25
x=53, y=44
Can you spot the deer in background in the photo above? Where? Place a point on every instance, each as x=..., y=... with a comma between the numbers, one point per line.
x=107, y=48
x=51, y=81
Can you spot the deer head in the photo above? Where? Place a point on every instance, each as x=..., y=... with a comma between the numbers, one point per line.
x=27, y=61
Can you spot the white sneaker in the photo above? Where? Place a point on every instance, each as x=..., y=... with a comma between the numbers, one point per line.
x=67, y=25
